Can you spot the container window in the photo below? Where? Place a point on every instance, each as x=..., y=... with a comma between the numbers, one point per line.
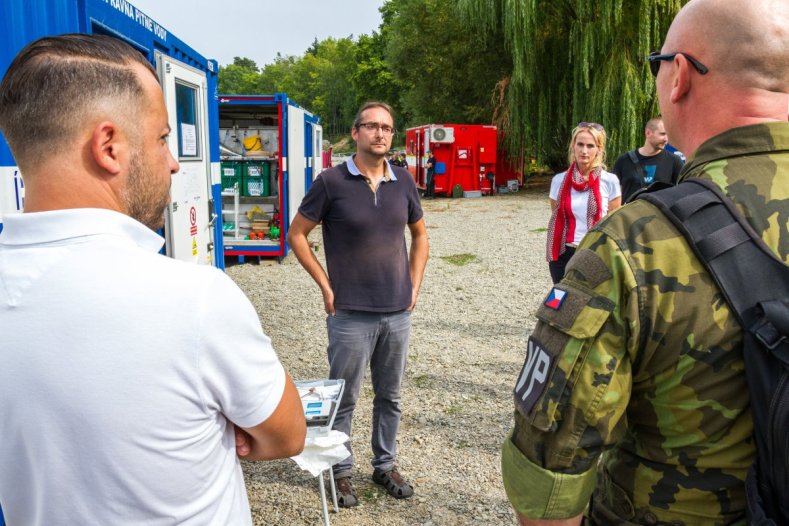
x=188, y=125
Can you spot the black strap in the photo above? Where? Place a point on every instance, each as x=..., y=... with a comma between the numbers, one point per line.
x=640, y=171
x=746, y=270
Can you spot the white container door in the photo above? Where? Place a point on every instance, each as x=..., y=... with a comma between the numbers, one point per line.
x=297, y=160
x=189, y=218
x=317, y=151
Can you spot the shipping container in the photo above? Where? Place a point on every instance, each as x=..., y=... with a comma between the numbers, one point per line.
x=271, y=149
x=465, y=157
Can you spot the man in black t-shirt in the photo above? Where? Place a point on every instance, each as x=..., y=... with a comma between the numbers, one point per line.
x=643, y=166
x=370, y=284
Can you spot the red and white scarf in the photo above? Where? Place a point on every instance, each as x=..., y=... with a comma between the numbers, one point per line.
x=561, y=227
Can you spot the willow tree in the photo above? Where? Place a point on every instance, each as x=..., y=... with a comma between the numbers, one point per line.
x=573, y=61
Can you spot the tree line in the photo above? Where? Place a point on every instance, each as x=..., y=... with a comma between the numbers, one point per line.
x=534, y=68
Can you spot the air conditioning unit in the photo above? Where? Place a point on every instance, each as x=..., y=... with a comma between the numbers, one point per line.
x=440, y=134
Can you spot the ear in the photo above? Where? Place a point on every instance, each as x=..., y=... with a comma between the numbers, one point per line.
x=106, y=147
x=681, y=82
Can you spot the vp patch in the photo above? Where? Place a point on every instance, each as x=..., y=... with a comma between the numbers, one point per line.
x=533, y=377
x=555, y=298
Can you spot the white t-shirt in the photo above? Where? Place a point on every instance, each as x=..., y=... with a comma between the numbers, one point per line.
x=120, y=373
x=609, y=189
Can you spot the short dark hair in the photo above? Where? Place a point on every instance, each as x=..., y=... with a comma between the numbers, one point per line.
x=652, y=124
x=55, y=82
x=372, y=104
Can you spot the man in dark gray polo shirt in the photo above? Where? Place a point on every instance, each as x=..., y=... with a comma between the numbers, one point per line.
x=364, y=205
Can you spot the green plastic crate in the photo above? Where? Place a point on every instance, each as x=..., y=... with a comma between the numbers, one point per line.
x=231, y=174
x=256, y=179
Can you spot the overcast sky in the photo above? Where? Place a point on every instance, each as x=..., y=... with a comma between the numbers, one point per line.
x=259, y=29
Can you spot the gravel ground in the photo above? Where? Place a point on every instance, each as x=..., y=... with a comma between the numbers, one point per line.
x=467, y=346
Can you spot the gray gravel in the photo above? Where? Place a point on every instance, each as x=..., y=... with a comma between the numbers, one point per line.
x=467, y=346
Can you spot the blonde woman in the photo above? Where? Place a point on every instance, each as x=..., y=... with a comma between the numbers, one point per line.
x=580, y=196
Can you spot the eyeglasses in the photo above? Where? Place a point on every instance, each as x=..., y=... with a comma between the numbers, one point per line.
x=655, y=58
x=374, y=126
x=593, y=125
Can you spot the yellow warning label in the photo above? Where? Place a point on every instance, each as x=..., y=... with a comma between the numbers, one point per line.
x=194, y=246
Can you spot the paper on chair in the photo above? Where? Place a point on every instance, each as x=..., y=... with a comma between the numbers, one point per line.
x=322, y=452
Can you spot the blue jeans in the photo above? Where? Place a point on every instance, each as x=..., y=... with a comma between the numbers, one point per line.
x=380, y=339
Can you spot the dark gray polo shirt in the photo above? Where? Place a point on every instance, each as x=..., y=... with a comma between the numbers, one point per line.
x=364, y=235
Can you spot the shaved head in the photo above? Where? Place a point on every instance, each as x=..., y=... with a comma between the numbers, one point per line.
x=747, y=41
x=653, y=123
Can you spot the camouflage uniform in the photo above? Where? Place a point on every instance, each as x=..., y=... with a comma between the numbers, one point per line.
x=637, y=353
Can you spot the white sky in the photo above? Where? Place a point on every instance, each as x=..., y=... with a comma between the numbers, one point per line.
x=258, y=29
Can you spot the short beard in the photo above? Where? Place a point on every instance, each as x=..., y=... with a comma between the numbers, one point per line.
x=144, y=202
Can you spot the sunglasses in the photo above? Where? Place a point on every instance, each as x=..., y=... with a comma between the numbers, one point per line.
x=655, y=58
x=593, y=125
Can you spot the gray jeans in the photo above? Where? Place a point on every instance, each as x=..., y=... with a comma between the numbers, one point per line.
x=357, y=338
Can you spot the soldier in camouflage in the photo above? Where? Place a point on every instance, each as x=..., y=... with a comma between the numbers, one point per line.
x=636, y=354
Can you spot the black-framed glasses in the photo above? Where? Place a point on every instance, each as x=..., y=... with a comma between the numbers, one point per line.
x=655, y=58
x=374, y=126
x=593, y=125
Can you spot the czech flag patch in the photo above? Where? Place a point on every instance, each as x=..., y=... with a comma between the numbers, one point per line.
x=555, y=298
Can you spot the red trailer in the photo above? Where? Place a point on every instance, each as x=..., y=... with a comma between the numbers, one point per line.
x=465, y=156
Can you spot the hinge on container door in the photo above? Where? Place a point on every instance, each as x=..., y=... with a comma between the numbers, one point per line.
x=211, y=213
x=167, y=68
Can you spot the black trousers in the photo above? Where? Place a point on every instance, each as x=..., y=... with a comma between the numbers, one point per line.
x=430, y=186
x=557, y=267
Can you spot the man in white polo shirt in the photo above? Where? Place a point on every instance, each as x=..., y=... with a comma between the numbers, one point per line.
x=130, y=383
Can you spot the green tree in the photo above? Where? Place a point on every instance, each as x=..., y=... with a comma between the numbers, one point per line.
x=242, y=76
x=447, y=67
x=574, y=60
x=373, y=78
x=335, y=94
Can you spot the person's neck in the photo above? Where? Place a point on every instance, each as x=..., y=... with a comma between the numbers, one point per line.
x=373, y=167
x=648, y=150
x=59, y=187
x=584, y=170
x=753, y=107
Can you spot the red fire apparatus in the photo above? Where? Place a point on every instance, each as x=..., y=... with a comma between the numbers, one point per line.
x=465, y=156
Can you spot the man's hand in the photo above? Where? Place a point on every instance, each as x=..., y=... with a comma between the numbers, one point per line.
x=328, y=300
x=242, y=442
x=414, y=296
x=281, y=435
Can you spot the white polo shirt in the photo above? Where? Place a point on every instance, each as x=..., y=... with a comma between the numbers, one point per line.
x=120, y=373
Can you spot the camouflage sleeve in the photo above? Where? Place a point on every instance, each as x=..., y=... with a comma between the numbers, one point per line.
x=573, y=390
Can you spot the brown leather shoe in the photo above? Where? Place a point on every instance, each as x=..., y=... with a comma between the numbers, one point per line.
x=346, y=495
x=397, y=486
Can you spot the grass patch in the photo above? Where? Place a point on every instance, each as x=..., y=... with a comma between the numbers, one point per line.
x=539, y=230
x=369, y=494
x=423, y=381
x=454, y=409
x=460, y=259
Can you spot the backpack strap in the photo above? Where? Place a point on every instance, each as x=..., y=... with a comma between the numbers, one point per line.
x=746, y=270
x=639, y=170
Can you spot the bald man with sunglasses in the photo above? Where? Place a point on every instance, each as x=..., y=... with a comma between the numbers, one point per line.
x=632, y=405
